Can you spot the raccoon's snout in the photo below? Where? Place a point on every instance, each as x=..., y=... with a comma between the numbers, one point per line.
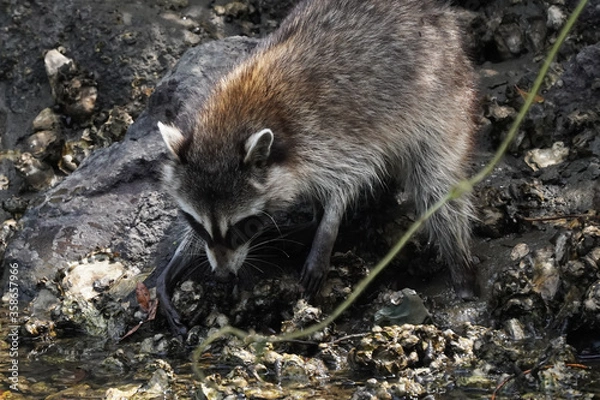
x=225, y=261
x=223, y=275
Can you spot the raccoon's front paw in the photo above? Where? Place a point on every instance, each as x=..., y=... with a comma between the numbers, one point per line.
x=177, y=327
x=312, y=278
x=464, y=279
x=466, y=287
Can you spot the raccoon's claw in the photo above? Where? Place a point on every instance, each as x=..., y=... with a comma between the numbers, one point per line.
x=466, y=288
x=170, y=313
x=177, y=327
x=464, y=279
x=465, y=292
x=312, y=280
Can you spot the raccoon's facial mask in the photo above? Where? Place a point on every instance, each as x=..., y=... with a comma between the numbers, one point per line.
x=198, y=228
x=235, y=236
x=235, y=217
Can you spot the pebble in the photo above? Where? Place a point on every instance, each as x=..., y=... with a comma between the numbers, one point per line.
x=542, y=158
x=519, y=251
x=46, y=120
x=556, y=17
x=4, y=182
x=38, y=174
x=54, y=61
x=42, y=143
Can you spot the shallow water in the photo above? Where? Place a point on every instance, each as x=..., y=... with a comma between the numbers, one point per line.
x=78, y=365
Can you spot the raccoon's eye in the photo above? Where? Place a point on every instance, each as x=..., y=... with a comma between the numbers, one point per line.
x=197, y=227
x=244, y=230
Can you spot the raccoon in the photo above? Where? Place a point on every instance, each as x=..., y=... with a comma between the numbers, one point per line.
x=346, y=96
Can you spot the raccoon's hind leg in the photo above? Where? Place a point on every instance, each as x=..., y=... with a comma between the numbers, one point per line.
x=430, y=179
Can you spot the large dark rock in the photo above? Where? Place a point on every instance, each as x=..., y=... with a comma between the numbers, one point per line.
x=581, y=83
x=114, y=199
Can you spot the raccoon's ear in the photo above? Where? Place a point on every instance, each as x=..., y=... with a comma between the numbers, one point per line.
x=173, y=138
x=258, y=147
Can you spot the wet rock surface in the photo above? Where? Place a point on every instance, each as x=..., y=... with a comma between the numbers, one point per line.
x=85, y=220
x=113, y=200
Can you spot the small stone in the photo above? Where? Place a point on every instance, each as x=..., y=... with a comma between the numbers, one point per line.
x=129, y=38
x=546, y=277
x=514, y=327
x=46, y=120
x=7, y=229
x=4, y=182
x=55, y=61
x=509, y=40
x=519, y=251
x=73, y=89
x=43, y=143
x=372, y=382
x=542, y=158
x=497, y=112
x=556, y=18
x=37, y=173
x=158, y=383
x=235, y=9
x=85, y=100
x=82, y=278
x=114, y=129
x=591, y=303
x=125, y=392
x=594, y=255
x=73, y=153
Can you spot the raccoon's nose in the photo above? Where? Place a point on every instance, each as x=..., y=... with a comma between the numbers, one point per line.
x=223, y=275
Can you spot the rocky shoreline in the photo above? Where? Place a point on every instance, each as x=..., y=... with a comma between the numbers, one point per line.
x=85, y=218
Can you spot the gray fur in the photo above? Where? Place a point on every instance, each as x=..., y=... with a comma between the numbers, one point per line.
x=355, y=93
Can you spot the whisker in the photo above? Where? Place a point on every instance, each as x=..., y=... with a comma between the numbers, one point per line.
x=197, y=252
x=192, y=268
x=272, y=220
x=261, y=247
x=257, y=234
x=194, y=245
x=247, y=262
x=292, y=229
x=275, y=248
x=279, y=239
x=261, y=260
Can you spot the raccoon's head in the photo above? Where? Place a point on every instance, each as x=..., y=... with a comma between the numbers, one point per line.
x=222, y=189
